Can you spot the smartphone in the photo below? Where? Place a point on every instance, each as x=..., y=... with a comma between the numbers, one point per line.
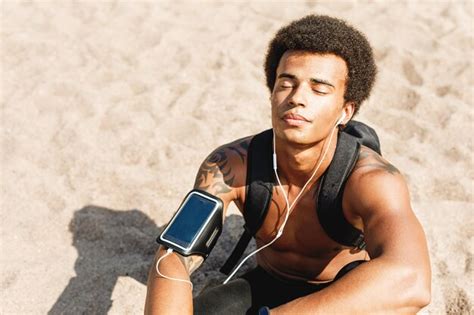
x=196, y=225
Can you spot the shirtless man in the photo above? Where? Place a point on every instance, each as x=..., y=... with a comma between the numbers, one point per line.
x=318, y=70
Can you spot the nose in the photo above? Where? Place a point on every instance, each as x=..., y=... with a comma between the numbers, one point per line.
x=298, y=96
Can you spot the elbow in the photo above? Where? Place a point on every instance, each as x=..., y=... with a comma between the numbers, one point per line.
x=422, y=297
x=417, y=288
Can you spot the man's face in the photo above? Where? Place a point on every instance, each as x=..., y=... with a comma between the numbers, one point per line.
x=308, y=96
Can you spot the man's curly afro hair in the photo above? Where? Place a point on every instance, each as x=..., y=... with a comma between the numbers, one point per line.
x=324, y=34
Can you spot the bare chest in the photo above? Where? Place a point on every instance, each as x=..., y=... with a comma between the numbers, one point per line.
x=303, y=234
x=304, y=250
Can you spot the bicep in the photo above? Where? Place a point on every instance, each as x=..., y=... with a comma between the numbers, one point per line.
x=391, y=228
x=220, y=174
x=396, y=235
x=215, y=174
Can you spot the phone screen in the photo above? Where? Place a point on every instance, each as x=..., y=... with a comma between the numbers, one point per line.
x=190, y=219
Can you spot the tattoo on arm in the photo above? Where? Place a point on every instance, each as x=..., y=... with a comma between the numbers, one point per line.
x=377, y=162
x=191, y=263
x=216, y=174
x=241, y=150
x=363, y=154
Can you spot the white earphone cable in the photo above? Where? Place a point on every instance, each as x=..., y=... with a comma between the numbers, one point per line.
x=168, y=252
x=289, y=207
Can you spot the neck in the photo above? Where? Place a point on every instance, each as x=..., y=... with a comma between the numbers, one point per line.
x=296, y=162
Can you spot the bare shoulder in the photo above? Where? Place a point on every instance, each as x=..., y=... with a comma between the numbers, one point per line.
x=375, y=185
x=371, y=162
x=223, y=172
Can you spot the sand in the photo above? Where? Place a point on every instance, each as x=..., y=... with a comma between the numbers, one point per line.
x=108, y=110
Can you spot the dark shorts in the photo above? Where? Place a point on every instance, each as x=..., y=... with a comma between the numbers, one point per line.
x=255, y=289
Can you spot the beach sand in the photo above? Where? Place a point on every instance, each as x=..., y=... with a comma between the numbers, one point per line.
x=108, y=109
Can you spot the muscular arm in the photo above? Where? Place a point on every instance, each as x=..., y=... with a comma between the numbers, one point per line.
x=397, y=278
x=219, y=175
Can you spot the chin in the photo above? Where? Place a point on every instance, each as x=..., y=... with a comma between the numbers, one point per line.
x=293, y=135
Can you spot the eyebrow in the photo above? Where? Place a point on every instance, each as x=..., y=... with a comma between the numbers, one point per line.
x=313, y=80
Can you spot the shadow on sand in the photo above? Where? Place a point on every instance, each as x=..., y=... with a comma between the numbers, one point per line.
x=113, y=244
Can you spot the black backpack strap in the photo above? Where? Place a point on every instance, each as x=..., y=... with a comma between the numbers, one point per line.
x=329, y=208
x=260, y=179
x=330, y=211
x=238, y=251
x=364, y=134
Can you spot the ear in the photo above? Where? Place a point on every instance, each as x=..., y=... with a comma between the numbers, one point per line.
x=348, y=109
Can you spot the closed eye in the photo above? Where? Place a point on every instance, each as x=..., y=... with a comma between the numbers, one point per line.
x=319, y=92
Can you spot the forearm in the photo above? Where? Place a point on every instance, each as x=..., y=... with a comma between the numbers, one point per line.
x=378, y=286
x=165, y=296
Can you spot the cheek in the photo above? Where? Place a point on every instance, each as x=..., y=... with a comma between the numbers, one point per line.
x=275, y=113
x=324, y=116
x=327, y=106
x=276, y=98
x=276, y=103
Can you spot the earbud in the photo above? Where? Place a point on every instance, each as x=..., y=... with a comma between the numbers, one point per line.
x=343, y=116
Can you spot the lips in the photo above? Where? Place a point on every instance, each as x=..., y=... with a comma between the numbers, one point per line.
x=292, y=116
x=294, y=120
